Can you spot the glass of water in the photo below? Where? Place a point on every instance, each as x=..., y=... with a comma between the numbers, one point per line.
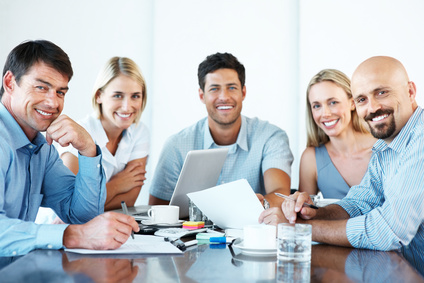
x=294, y=242
x=195, y=214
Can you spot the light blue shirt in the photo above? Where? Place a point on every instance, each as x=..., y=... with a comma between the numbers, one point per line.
x=387, y=207
x=32, y=174
x=259, y=147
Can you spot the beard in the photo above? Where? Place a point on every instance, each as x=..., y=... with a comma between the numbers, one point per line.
x=383, y=130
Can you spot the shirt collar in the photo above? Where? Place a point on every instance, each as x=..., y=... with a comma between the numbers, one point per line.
x=15, y=131
x=400, y=141
x=208, y=141
x=100, y=133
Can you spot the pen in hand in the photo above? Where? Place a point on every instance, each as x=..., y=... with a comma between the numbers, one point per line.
x=289, y=198
x=125, y=209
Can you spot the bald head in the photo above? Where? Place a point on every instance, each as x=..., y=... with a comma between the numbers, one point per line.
x=383, y=95
x=380, y=66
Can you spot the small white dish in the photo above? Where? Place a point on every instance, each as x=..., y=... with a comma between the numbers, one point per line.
x=149, y=222
x=253, y=251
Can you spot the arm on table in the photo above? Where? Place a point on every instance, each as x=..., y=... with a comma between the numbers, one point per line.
x=308, y=172
x=106, y=231
x=276, y=181
x=124, y=186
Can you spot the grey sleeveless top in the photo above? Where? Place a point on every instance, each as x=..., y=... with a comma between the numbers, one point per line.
x=330, y=182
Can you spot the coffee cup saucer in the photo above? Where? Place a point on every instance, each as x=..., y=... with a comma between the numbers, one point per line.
x=253, y=251
x=149, y=222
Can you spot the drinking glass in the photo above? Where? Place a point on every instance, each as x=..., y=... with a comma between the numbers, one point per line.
x=294, y=242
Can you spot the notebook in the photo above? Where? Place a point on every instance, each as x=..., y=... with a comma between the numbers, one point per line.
x=201, y=170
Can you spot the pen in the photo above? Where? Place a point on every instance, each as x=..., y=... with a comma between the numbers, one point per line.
x=125, y=209
x=304, y=204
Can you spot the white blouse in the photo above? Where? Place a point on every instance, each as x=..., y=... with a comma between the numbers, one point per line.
x=134, y=144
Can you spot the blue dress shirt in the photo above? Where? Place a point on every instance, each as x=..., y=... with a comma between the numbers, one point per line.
x=259, y=147
x=32, y=174
x=387, y=207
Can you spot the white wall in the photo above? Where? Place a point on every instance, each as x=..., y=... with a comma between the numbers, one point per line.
x=282, y=44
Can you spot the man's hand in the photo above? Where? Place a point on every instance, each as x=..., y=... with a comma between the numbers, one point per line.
x=272, y=216
x=292, y=208
x=106, y=231
x=66, y=131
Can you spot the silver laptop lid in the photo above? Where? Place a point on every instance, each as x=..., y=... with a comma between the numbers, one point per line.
x=201, y=170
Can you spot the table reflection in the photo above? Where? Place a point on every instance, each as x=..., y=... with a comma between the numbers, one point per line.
x=101, y=269
x=216, y=264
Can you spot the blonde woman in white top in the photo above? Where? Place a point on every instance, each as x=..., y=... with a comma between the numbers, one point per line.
x=119, y=97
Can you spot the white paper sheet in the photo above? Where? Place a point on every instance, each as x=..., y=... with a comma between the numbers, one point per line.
x=141, y=244
x=231, y=205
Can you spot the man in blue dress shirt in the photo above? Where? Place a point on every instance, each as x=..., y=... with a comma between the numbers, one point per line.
x=35, y=81
x=386, y=210
x=258, y=151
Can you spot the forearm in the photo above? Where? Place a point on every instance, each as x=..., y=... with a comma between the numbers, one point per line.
x=112, y=188
x=274, y=200
x=331, y=232
x=90, y=191
x=276, y=181
x=331, y=212
x=19, y=237
x=129, y=197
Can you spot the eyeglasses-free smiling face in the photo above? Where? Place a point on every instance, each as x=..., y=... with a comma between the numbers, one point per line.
x=223, y=96
x=38, y=98
x=120, y=101
x=383, y=96
x=331, y=108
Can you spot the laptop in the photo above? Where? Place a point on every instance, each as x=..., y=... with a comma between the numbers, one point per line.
x=201, y=170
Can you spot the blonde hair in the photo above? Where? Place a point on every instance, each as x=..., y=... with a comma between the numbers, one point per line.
x=113, y=68
x=315, y=135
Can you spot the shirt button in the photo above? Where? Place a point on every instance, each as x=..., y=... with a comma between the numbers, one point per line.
x=98, y=165
x=30, y=146
x=49, y=246
x=14, y=253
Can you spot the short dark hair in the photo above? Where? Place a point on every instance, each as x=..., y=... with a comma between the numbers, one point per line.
x=220, y=61
x=28, y=53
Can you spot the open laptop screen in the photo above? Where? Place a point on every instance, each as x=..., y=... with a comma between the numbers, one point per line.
x=201, y=170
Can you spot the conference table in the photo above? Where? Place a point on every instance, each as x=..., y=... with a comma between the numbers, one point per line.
x=216, y=263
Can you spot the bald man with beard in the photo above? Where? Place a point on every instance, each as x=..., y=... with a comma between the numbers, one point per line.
x=386, y=210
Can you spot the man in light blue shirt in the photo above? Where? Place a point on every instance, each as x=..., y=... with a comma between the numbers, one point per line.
x=386, y=210
x=258, y=151
x=35, y=81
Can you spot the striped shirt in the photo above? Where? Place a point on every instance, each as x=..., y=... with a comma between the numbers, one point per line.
x=259, y=147
x=387, y=207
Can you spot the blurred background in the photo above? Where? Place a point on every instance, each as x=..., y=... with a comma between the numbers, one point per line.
x=282, y=44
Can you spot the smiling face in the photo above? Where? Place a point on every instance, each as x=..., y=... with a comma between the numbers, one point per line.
x=331, y=108
x=120, y=101
x=223, y=97
x=38, y=98
x=384, y=96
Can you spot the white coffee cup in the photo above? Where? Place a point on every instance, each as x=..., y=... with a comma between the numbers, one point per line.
x=259, y=237
x=164, y=214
